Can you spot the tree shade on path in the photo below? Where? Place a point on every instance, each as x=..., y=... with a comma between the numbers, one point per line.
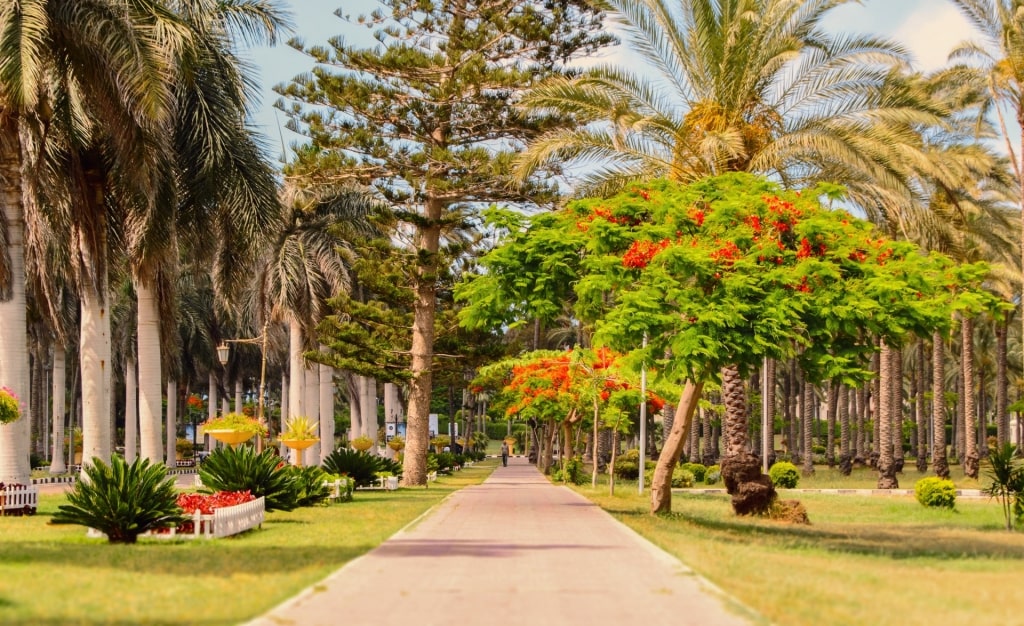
x=514, y=550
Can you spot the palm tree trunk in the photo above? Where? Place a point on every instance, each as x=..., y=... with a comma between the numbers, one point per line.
x=296, y=376
x=131, y=411
x=807, y=421
x=735, y=411
x=1002, y=416
x=661, y=483
x=211, y=407
x=876, y=402
x=326, y=445
x=768, y=436
x=940, y=464
x=171, y=433
x=94, y=363
x=150, y=383
x=897, y=407
x=845, y=454
x=368, y=409
x=59, y=393
x=921, y=417
x=14, y=437
x=860, y=454
x=830, y=423
x=970, y=417
x=886, y=467
x=311, y=404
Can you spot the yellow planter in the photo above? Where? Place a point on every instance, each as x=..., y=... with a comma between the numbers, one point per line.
x=230, y=437
x=300, y=445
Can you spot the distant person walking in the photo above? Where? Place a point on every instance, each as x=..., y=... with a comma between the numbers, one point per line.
x=504, y=454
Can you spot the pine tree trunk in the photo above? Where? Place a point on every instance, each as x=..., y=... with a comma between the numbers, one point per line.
x=971, y=456
x=661, y=483
x=886, y=467
x=417, y=435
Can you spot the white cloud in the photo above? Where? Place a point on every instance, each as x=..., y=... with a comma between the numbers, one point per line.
x=931, y=32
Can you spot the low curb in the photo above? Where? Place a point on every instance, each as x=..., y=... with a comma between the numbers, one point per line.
x=961, y=493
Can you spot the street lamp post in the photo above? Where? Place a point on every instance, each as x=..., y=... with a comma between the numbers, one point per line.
x=222, y=355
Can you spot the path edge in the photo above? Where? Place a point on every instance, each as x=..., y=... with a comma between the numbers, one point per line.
x=731, y=602
x=265, y=616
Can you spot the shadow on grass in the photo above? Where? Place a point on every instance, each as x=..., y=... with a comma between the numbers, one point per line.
x=900, y=542
x=194, y=559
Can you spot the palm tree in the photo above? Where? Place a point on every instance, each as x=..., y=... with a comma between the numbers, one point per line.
x=74, y=76
x=307, y=264
x=752, y=85
x=1001, y=54
x=220, y=195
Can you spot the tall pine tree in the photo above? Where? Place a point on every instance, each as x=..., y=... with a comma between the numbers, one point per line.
x=428, y=118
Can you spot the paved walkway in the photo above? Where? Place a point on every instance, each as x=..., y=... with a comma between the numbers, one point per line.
x=514, y=550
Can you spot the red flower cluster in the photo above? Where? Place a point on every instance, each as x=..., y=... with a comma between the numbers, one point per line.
x=697, y=215
x=206, y=503
x=195, y=402
x=728, y=253
x=641, y=252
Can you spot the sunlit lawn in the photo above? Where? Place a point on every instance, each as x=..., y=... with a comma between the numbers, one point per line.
x=864, y=560
x=54, y=575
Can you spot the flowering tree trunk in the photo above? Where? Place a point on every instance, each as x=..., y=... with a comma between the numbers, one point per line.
x=661, y=483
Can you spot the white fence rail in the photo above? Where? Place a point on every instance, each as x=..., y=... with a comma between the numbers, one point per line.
x=18, y=499
x=223, y=522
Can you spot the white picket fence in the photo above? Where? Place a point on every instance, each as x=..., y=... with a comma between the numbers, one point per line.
x=18, y=499
x=224, y=522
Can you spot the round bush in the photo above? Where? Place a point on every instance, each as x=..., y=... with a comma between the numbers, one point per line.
x=784, y=475
x=627, y=465
x=682, y=478
x=935, y=492
x=713, y=475
x=698, y=470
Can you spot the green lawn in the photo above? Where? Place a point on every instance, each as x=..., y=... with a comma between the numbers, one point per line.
x=864, y=560
x=54, y=575
x=867, y=478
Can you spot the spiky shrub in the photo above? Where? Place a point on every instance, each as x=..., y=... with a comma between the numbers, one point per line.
x=122, y=500
x=241, y=468
x=935, y=492
x=390, y=466
x=1006, y=475
x=360, y=466
x=308, y=483
x=784, y=475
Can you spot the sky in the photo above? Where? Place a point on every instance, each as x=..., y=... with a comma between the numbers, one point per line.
x=929, y=29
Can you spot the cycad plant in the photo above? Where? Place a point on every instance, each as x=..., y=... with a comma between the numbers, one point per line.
x=308, y=484
x=122, y=500
x=361, y=467
x=1007, y=486
x=242, y=468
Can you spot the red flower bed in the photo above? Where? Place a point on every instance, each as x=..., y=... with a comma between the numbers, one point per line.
x=206, y=503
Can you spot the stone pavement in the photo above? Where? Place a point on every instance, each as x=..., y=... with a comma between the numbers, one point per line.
x=514, y=550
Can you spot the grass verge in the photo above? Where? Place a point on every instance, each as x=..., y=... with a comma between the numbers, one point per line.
x=52, y=575
x=865, y=560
